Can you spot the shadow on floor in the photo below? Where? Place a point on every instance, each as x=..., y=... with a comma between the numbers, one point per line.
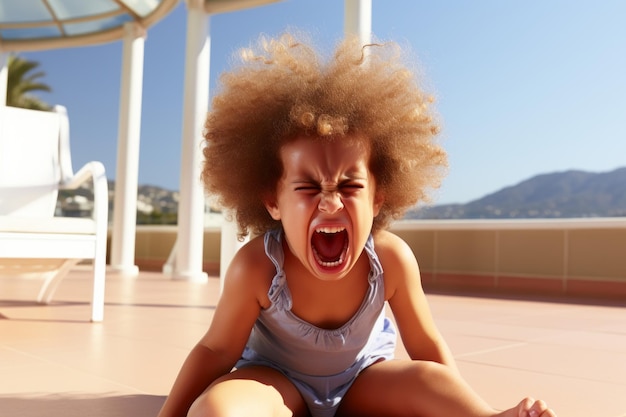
x=79, y=405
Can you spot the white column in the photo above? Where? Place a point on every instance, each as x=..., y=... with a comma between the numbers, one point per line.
x=358, y=19
x=125, y=209
x=186, y=262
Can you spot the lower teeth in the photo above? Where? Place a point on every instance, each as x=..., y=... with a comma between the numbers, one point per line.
x=330, y=264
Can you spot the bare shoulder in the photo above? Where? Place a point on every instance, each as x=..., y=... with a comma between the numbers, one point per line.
x=391, y=249
x=398, y=262
x=251, y=271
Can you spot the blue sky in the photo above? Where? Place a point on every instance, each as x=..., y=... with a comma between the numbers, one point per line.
x=523, y=88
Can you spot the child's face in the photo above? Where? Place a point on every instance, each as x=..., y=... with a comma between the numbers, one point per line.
x=326, y=201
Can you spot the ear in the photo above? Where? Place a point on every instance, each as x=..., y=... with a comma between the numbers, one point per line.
x=272, y=207
x=379, y=200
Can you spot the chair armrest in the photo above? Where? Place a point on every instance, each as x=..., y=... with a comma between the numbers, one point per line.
x=94, y=171
x=91, y=170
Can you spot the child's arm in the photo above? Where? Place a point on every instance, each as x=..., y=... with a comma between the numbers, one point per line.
x=220, y=348
x=403, y=288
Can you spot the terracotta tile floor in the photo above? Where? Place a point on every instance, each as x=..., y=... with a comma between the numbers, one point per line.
x=55, y=363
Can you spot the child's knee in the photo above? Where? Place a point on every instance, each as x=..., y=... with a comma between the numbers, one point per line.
x=223, y=400
x=212, y=404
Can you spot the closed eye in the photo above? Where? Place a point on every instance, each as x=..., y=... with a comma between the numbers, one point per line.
x=308, y=188
x=350, y=187
x=347, y=187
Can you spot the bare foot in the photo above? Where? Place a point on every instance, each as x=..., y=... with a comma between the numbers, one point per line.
x=528, y=407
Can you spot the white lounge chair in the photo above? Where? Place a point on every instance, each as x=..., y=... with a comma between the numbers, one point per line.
x=35, y=163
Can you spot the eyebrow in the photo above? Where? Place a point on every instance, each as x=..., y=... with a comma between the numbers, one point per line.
x=353, y=175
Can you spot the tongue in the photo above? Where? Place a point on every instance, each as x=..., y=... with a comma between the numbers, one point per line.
x=329, y=246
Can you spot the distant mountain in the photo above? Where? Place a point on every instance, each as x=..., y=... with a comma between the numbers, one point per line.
x=555, y=195
x=560, y=194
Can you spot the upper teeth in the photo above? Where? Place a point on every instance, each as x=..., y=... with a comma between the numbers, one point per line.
x=330, y=229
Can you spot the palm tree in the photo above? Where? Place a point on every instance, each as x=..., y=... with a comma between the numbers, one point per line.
x=22, y=81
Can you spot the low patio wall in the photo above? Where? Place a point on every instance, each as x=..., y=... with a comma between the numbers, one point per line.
x=153, y=245
x=578, y=258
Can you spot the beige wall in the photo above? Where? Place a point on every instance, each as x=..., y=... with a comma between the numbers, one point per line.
x=586, y=259
x=558, y=258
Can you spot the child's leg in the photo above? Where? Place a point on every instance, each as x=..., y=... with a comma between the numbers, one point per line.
x=425, y=389
x=253, y=391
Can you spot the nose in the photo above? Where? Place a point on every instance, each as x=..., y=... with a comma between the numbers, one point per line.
x=330, y=202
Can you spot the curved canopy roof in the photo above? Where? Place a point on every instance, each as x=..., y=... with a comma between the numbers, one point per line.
x=47, y=24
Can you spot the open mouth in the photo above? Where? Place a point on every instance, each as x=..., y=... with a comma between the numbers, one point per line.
x=330, y=245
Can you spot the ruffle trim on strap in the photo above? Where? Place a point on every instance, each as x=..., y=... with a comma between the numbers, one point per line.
x=278, y=293
x=376, y=269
